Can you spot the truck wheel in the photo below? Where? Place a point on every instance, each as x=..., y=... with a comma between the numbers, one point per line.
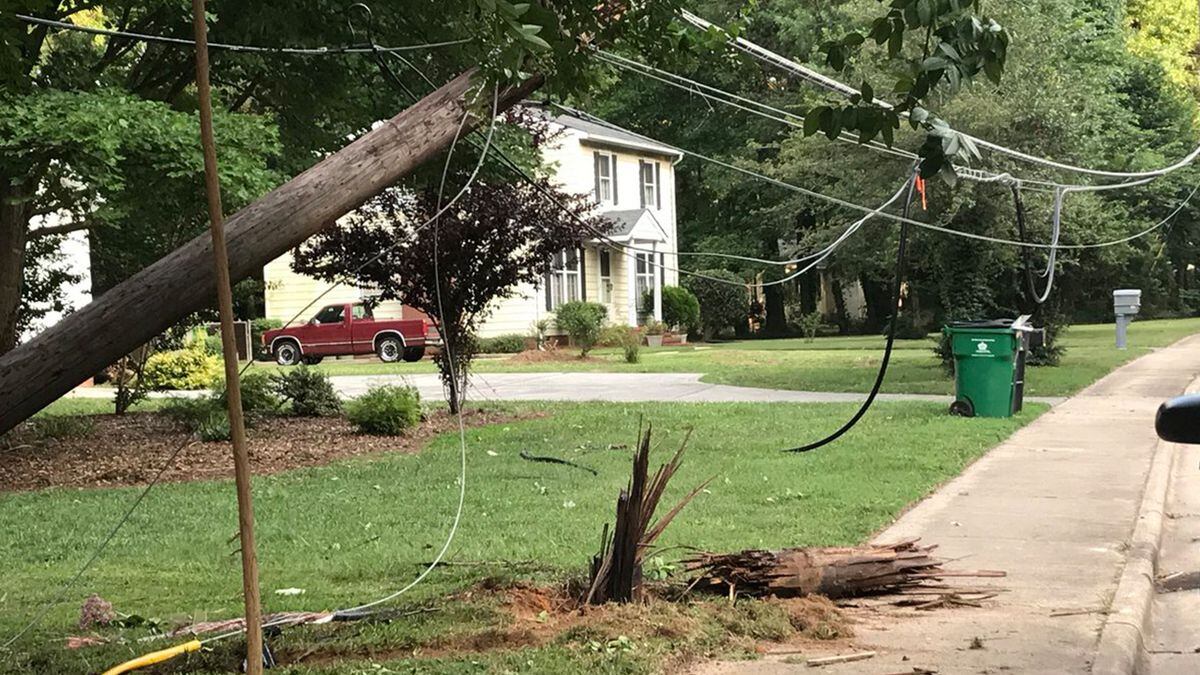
x=412, y=354
x=287, y=353
x=313, y=360
x=389, y=349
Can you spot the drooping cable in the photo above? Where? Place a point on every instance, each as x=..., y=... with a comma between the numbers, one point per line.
x=897, y=287
x=900, y=218
x=812, y=76
x=1055, y=232
x=1022, y=233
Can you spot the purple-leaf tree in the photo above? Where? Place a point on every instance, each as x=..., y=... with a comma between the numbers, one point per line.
x=496, y=237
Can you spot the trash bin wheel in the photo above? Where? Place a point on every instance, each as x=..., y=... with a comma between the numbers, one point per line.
x=962, y=408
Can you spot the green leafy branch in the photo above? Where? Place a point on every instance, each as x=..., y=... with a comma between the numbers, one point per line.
x=958, y=45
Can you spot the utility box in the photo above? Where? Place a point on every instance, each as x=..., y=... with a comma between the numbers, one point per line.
x=1127, y=303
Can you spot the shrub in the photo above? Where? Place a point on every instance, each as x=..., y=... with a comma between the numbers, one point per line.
x=211, y=344
x=259, y=393
x=582, y=322
x=190, y=412
x=680, y=308
x=309, y=391
x=807, y=323
x=613, y=335
x=61, y=426
x=214, y=427
x=386, y=410
x=631, y=344
x=182, y=369
x=512, y=343
x=723, y=304
x=257, y=328
x=910, y=326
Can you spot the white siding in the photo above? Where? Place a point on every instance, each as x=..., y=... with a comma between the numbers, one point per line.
x=571, y=162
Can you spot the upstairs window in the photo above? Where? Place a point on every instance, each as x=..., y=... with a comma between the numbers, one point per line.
x=606, y=177
x=648, y=181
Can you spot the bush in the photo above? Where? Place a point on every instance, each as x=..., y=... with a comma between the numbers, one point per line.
x=612, y=335
x=723, y=304
x=631, y=344
x=214, y=427
x=61, y=426
x=191, y=412
x=309, y=391
x=385, y=411
x=512, y=343
x=680, y=308
x=259, y=393
x=910, y=326
x=211, y=344
x=257, y=328
x=807, y=323
x=182, y=369
x=582, y=322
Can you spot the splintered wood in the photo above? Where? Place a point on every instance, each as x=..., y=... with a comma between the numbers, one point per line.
x=903, y=568
x=616, y=571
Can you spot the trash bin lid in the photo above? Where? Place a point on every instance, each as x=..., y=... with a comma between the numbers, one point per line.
x=987, y=323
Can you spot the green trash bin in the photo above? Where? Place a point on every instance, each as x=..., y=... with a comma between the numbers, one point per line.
x=989, y=366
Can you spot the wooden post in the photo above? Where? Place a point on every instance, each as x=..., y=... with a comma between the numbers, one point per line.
x=131, y=313
x=233, y=393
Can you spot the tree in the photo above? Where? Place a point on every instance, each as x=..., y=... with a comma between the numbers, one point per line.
x=723, y=303
x=103, y=128
x=497, y=237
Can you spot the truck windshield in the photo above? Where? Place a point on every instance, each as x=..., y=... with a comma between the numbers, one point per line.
x=331, y=314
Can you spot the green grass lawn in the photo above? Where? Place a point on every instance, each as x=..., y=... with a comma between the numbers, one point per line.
x=354, y=530
x=838, y=363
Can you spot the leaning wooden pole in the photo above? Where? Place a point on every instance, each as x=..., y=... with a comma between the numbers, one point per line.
x=127, y=316
x=233, y=391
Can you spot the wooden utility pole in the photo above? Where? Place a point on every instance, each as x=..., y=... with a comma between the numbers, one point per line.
x=127, y=316
x=233, y=391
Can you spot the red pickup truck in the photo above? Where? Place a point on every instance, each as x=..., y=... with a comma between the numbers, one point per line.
x=345, y=329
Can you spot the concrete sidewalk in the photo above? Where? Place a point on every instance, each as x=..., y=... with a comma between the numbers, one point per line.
x=1055, y=507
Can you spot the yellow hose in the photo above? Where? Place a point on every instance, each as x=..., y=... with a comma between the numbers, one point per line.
x=154, y=657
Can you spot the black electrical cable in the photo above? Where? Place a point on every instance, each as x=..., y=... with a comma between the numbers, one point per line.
x=1022, y=231
x=901, y=251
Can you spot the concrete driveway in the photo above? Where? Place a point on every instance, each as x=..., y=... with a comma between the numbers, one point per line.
x=683, y=387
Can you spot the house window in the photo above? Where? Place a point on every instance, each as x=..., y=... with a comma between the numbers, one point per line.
x=606, y=178
x=606, y=284
x=565, y=281
x=648, y=180
x=644, y=281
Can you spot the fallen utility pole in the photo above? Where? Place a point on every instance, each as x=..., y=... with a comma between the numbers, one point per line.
x=127, y=316
x=233, y=390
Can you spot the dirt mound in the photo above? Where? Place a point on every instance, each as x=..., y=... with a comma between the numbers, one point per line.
x=130, y=449
x=553, y=356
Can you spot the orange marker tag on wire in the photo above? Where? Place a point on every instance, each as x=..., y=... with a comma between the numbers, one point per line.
x=921, y=189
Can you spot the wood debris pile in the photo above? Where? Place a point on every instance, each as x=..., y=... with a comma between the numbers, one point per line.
x=903, y=568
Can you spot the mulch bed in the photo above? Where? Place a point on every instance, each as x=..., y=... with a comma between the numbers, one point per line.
x=130, y=449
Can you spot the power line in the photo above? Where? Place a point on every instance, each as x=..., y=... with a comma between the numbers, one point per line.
x=928, y=226
x=810, y=75
x=253, y=49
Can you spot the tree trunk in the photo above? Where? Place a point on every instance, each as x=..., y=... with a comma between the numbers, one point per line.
x=128, y=315
x=776, y=317
x=14, y=231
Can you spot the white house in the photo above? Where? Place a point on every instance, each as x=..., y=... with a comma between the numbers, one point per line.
x=632, y=181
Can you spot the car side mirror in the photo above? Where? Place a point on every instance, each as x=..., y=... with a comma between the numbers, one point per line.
x=313, y=321
x=1178, y=420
